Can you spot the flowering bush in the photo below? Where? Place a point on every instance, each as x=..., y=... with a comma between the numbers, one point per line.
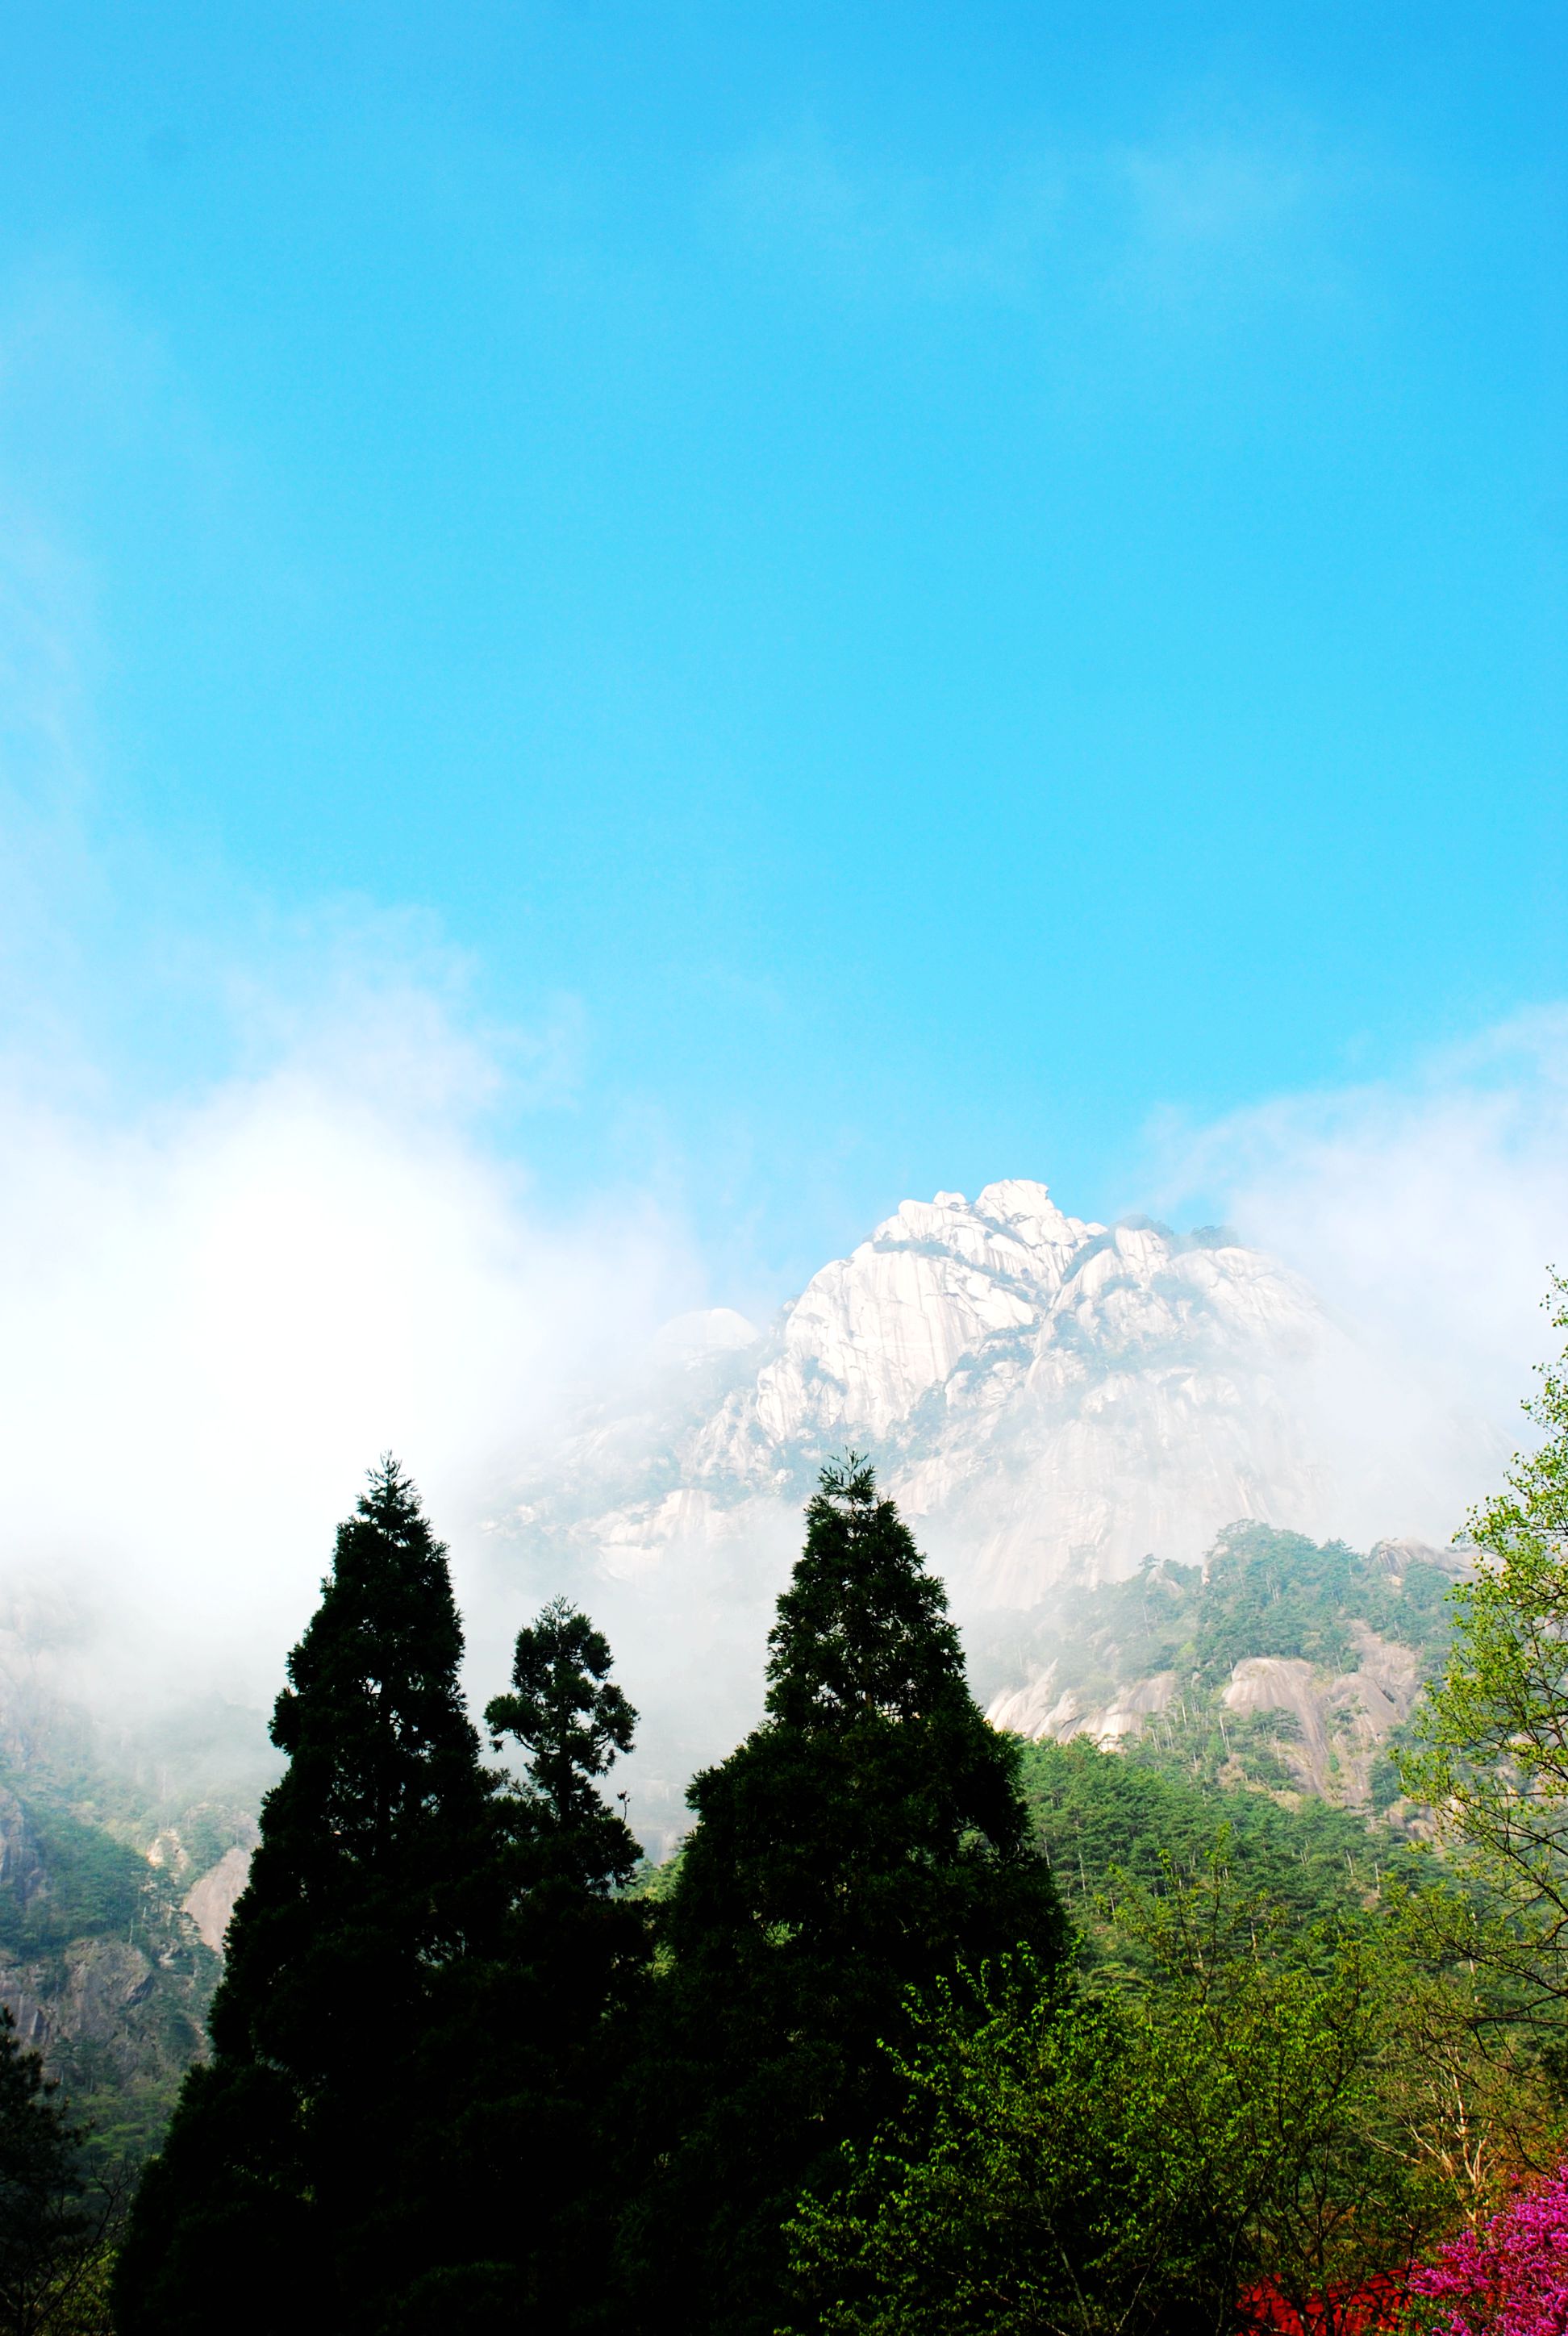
x=1375, y=2308
x=1510, y=2279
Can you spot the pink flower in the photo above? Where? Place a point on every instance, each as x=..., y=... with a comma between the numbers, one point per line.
x=1510, y=2279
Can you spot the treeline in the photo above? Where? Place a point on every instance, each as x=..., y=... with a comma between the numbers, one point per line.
x=926, y=2031
x=462, y=2075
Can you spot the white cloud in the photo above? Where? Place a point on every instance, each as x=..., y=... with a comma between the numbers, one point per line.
x=217, y=1316
x=1426, y=1212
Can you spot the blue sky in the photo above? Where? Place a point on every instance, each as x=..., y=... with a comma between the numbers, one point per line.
x=867, y=598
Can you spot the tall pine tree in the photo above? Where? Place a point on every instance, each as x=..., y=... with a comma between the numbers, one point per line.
x=861, y=1843
x=377, y=1870
x=523, y=2066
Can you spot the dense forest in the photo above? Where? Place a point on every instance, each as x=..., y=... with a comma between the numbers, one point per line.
x=925, y=2028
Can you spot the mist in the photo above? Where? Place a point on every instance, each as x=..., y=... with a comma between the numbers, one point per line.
x=1426, y=1213
x=220, y=1311
x=219, y=1314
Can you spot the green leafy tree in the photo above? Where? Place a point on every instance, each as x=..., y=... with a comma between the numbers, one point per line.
x=1027, y=2185
x=1268, y=2052
x=1211, y=2120
x=375, y=1871
x=1491, y=1748
x=49, y=2238
x=865, y=1839
x=527, y=2047
x=1477, y=2107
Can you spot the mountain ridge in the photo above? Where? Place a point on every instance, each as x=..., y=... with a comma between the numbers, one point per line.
x=1047, y=1397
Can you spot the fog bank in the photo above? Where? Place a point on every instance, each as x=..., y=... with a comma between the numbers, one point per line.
x=220, y=1313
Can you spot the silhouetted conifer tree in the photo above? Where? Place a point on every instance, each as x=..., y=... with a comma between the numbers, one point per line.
x=526, y=2060
x=271, y=2204
x=865, y=1838
x=46, y=2232
x=566, y=1712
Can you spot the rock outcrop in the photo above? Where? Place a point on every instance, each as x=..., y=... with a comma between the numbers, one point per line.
x=210, y=1901
x=1048, y=1398
x=1157, y=1659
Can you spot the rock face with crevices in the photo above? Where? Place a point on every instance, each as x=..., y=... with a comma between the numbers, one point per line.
x=115, y=1893
x=1039, y=1710
x=1046, y=1397
x=1343, y=1722
x=1284, y=1683
x=1159, y=1661
x=212, y=1901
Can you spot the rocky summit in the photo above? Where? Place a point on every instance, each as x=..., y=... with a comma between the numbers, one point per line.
x=1048, y=1398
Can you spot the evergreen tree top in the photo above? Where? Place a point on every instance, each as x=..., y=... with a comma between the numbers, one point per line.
x=573, y=1720
x=391, y=1501
x=381, y=1650
x=364, y=1878
x=865, y=1839
x=862, y=1630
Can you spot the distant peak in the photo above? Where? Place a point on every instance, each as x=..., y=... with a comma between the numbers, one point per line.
x=1017, y=1192
x=710, y=1330
x=1023, y=1200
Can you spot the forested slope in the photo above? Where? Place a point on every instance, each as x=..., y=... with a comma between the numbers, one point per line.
x=119, y=1852
x=1280, y=1662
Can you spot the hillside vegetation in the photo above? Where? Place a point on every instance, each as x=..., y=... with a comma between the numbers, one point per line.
x=1281, y=1663
x=102, y=1838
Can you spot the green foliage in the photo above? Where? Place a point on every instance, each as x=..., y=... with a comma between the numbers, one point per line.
x=1387, y=1784
x=94, y=1886
x=1133, y=2158
x=1490, y=1749
x=1275, y=1593
x=1268, y=1593
x=1104, y=1818
x=83, y=2301
x=655, y=1882
x=1028, y=2181
x=50, y=2242
x=1273, y=2044
x=1265, y=1593
x=89, y=1927
x=92, y=1926
x=867, y=1836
